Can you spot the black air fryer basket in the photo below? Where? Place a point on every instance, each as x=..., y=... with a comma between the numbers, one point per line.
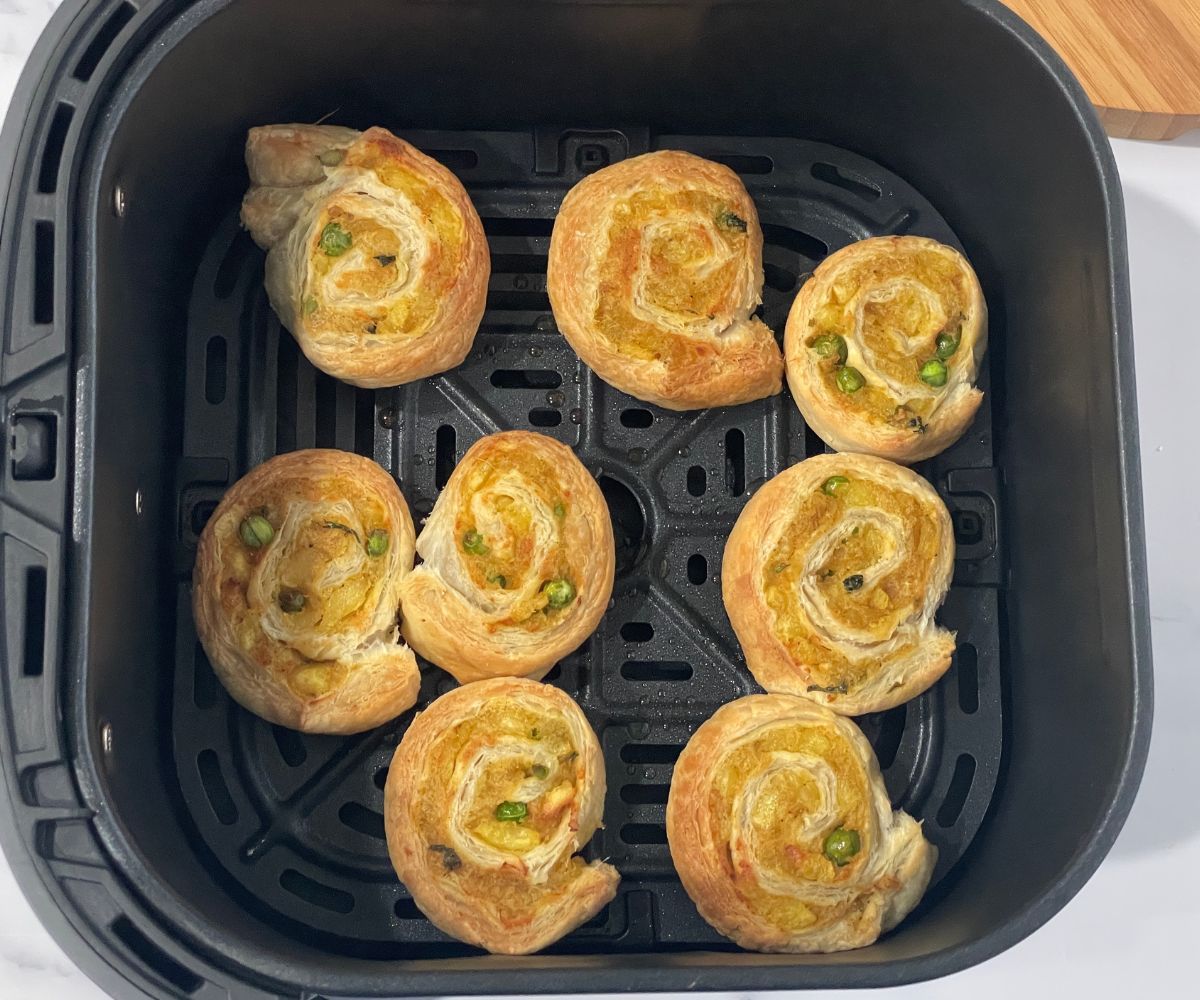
x=178, y=847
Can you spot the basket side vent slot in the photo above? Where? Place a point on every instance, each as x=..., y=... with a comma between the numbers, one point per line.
x=107, y=34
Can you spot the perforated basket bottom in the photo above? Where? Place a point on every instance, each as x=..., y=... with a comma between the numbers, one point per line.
x=292, y=825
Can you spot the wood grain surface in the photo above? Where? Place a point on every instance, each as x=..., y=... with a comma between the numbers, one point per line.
x=1138, y=59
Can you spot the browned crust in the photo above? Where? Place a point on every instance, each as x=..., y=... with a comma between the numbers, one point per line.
x=741, y=572
x=473, y=918
x=447, y=629
x=378, y=688
x=740, y=365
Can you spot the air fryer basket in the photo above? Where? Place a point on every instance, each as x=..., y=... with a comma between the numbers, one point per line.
x=180, y=847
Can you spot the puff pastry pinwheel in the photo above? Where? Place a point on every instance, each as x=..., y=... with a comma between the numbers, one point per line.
x=654, y=274
x=781, y=830
x=518, y=561
x=376, y=258
x=490, y=794
x=831, y=578
x=883, y=345
x=296, y=590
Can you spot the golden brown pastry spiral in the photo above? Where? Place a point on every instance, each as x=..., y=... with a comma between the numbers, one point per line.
x=376, y=261
x=781, y=830
x=654, y=274
x=883, y=345
x=490, y=795
x=296, y=590
x=831, y=578
x=518, y=561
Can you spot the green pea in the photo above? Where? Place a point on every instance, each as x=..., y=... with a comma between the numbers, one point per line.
x=730, y=220
x=535, y=733
x=499, y=579
x=255, y=531
x=833, y=484
x=291, y=601
x=560, y=510
x=473, y=542
x=540, y=771
x=841, y=845
x=335, y=240
x=849, y=379
x=310, y=306
x=933, y=372
x=511, y=812
x=377, y=542
x=831, y=345
x=332, y=157
x=946, y=345
x=559, y=593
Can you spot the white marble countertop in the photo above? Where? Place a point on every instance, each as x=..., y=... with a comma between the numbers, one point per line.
x=1141, y=910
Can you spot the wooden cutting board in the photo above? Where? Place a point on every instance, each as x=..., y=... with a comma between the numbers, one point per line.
x=1138, y=59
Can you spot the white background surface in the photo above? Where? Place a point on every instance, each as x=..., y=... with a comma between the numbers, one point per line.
x=1135, y=926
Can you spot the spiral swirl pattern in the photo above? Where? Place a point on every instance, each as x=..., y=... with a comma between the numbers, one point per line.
x=518, y=561
x=782, y=833
x=831, y=578
x=376, y=259
x=296, y=591
x=883, y=345
x=490, y=795
x=654, y=273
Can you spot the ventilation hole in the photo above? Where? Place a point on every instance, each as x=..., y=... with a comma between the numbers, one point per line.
x=291, y=746
x=600, y=919
x=697, y=480
x=164, y=966
x=891, y=731
x=317, y=893
x=34, y=446
x=956, y=794
x=637, y=631
x=56, y=137
x=214, y=370
x=104, y=38
x=204, y=681
x=201, y=512
x=454, y=159
x=545, y=417
x=445, y=445
x=743, y=164
x=796, y=241
x=527, y=264
x=830, y=174
x=364, y=422
x=697, y=569
x=656, y=670
x=901, y=222
x=644, y=833
x=779, y=278
x=362, y=820
x=510, y=378
x=286, y=394
x=966, y=658
x=528, y=301
x=650, y=753
x=628, y=522
x=518, y=227
x=968, y=527
x=33, y=662
x=380, y=778
x=641, y=795
x=735, y=462
x=325, y=415
x=43, y=272
x=636, y=418
x=813, y=445
x=406, y=909
x=591, y=156
x=215, y=788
